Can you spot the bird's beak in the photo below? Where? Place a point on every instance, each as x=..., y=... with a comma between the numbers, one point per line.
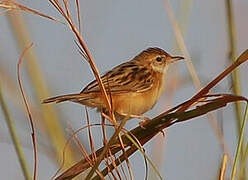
x=176, y=58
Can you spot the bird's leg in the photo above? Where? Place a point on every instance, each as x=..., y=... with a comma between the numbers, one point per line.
x=103, y=115
x=143, y=118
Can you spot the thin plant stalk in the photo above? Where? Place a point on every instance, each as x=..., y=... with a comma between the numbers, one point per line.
x=243, y=162
x=241, y=139
x=14, y=137
x=223, y=167
x=31, y=122
x=233, y=52
x=235, y=74
x=51, y=120
x=105, y=149
x=197, y=83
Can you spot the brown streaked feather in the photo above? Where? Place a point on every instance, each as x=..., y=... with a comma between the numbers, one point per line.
x=62, y=98
x=127, y=77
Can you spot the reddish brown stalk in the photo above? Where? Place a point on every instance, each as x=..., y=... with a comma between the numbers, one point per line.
x=186, y=105
x=78, y=16
x=105, y=141
x=58, y=8
x=122, y=168
x=121, y=144
x=126, y=157
x=85, y=154
x=83, y=150
x=90, y=136
x=242, y=58
x=67, y=9
x=28, y=109
x=103, y=129
x=118, y=161
x=81, y=51
x=113, y=158
x=10, y=5
x=123, y=148
x=110, y=156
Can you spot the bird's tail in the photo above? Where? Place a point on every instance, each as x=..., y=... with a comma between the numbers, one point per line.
x=58, y=99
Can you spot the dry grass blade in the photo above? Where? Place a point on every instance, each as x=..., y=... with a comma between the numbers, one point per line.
x=28, y=110
x=67, y=9
x=92, y=147
x=87, y=157
x=105, y=171
x=242, y=58
x=223, y=167
x=105, y=141
x=106, y=149
x=13, y=5
x=78, y=16
x=181, y=44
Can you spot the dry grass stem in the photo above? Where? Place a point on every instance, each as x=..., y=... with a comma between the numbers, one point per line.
x=223, y=167
x=13, y=5
x=87, y=157
x=28, y=110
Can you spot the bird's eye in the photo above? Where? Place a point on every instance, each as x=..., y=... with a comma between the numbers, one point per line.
x=159, y=59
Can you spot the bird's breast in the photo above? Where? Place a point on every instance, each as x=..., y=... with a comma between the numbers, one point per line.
x=137, y=103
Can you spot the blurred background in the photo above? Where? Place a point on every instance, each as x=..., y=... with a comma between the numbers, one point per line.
x=116, y=31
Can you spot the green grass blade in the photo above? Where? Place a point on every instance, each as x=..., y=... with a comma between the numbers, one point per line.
x=14, y=138
x=241, y=138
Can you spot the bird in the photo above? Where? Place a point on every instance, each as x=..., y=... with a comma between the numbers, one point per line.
x=134, y=87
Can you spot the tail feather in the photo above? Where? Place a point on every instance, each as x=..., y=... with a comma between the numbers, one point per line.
x=58, y=99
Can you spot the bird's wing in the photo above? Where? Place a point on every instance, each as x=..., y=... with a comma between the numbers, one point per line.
x=127, y=77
